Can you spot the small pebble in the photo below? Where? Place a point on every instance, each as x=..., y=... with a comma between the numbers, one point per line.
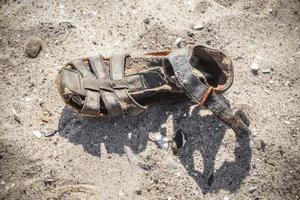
x=198, y=26
x=254, y=67
x=190, y=34
x=44, y=133
x=33, y=46
x=226, y=198
x=146, y=21
x=178, y=42
x=16, y=116
x=267, y=71
x=138, y=192
x=252, y=189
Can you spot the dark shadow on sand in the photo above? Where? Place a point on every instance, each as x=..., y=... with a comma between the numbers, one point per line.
x=203, y=134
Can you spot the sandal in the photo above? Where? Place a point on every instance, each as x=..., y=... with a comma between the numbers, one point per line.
x=126, y=85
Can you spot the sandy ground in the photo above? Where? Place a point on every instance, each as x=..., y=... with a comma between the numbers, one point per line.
x=115, y=159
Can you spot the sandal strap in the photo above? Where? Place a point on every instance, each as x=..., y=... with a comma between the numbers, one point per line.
x=198, y=92
x=112, y=87
x=221, y=110
x=80, y=66
x=179, y=60
x=117, y=65
x=96, y=64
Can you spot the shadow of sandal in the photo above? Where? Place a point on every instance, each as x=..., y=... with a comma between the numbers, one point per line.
x=113, y=133
x=207, y=140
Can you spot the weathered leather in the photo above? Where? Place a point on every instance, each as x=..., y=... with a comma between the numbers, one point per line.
x=179, y=61
x=95, y=82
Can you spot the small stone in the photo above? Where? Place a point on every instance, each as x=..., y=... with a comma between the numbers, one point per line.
x=45, y=119
x=16, y=116
x=254, y=67
x=263, y=145
x=94, y=13
x=267, y=71
x=198, y=26
x=287, y=122
x=146, y=21
x=190, y=34
x=27, y=99
x=160, y=140
x=288, y=83
x=226, y=198
x=252, y=189
x=44, y=133
x=129, y=135
x=178, y=42
x=33, y=46
x=138, y=192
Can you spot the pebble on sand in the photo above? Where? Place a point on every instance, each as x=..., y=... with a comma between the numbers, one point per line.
x=33, y=46
x=252, y=189
x=178, y=42
x=198, y=26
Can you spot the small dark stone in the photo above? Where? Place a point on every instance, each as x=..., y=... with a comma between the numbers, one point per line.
x=33, y=46
x=147, y=21
x=144, y=166
x=190, y=34
x=138, y=192
x=263, y=145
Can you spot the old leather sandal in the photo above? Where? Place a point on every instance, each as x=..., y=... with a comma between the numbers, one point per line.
x=126, y=85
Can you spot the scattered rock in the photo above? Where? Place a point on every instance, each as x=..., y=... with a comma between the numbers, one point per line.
x=252, y=189
x=33, y=46
x=146, y=21
x=144, y=166
x=44, y=133
x=45, y=119
x=16, y=116
x=267, y=71
x=178, y=42
x=190, y=34
x=27, y=99
x=138, y=192
x=198, y=26
x=129, y=135
x=263, y=145
x=226, y=198
x=288, y=83
x=160, y=140
x=287, y=122
x=254, y=67
x=68, y=25
x=94, y=13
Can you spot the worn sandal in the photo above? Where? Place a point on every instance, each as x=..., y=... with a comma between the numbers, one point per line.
x=128, y=84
